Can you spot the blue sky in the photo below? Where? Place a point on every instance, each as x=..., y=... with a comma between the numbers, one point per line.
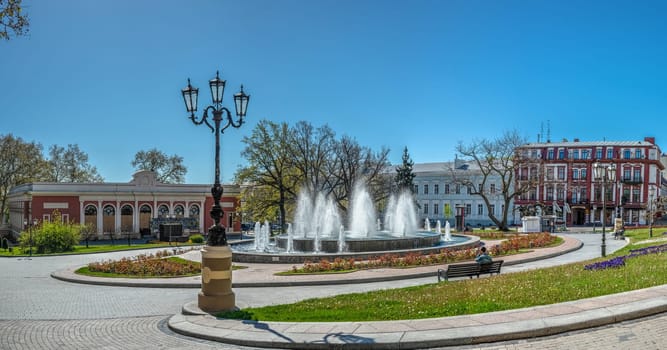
x=107, y=75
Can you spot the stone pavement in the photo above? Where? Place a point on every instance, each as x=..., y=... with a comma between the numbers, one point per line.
x=440, y=332
x=37, y=312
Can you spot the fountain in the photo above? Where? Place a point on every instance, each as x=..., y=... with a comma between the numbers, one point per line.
x=318, y=232
x=448, y=232
x=427, y=225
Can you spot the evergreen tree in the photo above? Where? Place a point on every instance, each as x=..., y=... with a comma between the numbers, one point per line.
x=404, y=174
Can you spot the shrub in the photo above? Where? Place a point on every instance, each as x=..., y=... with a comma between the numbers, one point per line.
x=52, y=236
x=197, y=238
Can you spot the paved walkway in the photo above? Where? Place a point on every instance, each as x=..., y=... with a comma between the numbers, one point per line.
x=440, y=332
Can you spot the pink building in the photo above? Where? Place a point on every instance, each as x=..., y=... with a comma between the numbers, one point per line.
x=565, y=179
x=135, y=207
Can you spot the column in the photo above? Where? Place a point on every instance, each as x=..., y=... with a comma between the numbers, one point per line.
x=100, y=223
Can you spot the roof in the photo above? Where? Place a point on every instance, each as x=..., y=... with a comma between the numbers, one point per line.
x=587, y=144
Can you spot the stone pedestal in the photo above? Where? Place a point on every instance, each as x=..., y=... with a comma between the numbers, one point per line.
x=216, y=279
x=530, y=224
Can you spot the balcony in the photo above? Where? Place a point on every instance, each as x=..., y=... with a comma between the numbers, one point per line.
x=632, y=180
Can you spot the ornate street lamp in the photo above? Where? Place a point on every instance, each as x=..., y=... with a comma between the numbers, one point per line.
x=604, y=174
x=216, y=233
x=216, y=287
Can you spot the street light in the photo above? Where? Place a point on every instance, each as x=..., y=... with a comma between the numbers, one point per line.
x=216, y=233
x=29, y=225
x=651, y=194
x=604, y=174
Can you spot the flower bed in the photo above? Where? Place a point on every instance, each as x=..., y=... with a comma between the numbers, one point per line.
x=153, y=265
x=620, y=260
x=512, y=245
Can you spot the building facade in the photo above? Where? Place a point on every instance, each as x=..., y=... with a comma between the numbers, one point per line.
x=565, y=179
x=439, y=195
x=135, y=207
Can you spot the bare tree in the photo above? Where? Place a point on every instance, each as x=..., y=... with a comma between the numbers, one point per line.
x=355, y=163
x=169, y=169
x=495, y=160
x=71, y=165
x=312, y=151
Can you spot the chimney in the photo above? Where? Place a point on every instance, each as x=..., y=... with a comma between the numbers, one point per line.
x=650, y=140
x=576, y=139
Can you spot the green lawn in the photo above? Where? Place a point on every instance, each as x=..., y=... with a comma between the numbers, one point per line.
x=501, y=292
x=81, y=249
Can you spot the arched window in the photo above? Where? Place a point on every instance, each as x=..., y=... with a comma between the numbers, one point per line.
x=194, y=211
x=179, y=211
x=126, y=218
x=163, y=210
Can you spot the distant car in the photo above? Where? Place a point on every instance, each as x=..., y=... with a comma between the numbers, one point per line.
x=247, y=226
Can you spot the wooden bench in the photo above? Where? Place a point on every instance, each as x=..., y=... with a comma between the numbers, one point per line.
x=469, y=270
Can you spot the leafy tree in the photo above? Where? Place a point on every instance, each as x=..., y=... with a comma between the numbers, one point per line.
x=20, y=162
x=12, y=19
x=270, y=170
x=71, y=165
x=496, y=159
x=404, y=175
x=169, y=169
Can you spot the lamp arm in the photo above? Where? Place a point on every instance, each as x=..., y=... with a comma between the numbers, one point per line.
x=230, y=121
x=204, y=118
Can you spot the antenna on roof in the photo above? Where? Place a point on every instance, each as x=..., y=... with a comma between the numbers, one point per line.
x=548, y=130
x=539, y=136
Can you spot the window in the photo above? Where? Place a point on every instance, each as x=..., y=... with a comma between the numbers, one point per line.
x=560, y=193
x=469, y=189
x=425, y=189
x=492, y=188
x=626, y=174
x=610, y=153
x=416, y=189
x=435, y=208
x=492, y=209
x=582, y=174
x=550, y=193
x=446, y=188
x=426, y=208
x=468, y=209
x=635, y=195
x=638, y=154
x=575, y=154
x=561, y=173
x=550, y=173
x=436, y=189
x=585, y=154
x=550, y=154
x=637, y=174
x=480, y=209
x=626, y=154
x=575, y=174
x=598, y=153
x=561, y=154
x=458, y=189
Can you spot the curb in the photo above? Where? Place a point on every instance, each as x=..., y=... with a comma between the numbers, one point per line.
x=414, y=334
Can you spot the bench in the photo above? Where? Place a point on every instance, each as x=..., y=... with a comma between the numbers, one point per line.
x=469, y=270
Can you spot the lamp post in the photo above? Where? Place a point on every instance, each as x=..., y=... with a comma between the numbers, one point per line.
x=604, y=174
x=30, y=225
x=651, y=194
x=216, y=293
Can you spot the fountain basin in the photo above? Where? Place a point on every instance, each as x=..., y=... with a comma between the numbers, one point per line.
x=357, y=248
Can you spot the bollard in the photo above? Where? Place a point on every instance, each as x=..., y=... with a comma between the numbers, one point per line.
x=216, y=280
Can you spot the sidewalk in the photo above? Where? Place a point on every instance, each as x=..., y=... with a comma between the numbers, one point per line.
x=405, y=334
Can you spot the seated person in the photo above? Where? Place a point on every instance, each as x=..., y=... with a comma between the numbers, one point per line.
x=483, y=257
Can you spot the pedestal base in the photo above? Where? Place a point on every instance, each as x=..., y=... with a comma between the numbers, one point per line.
x=216, y=280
